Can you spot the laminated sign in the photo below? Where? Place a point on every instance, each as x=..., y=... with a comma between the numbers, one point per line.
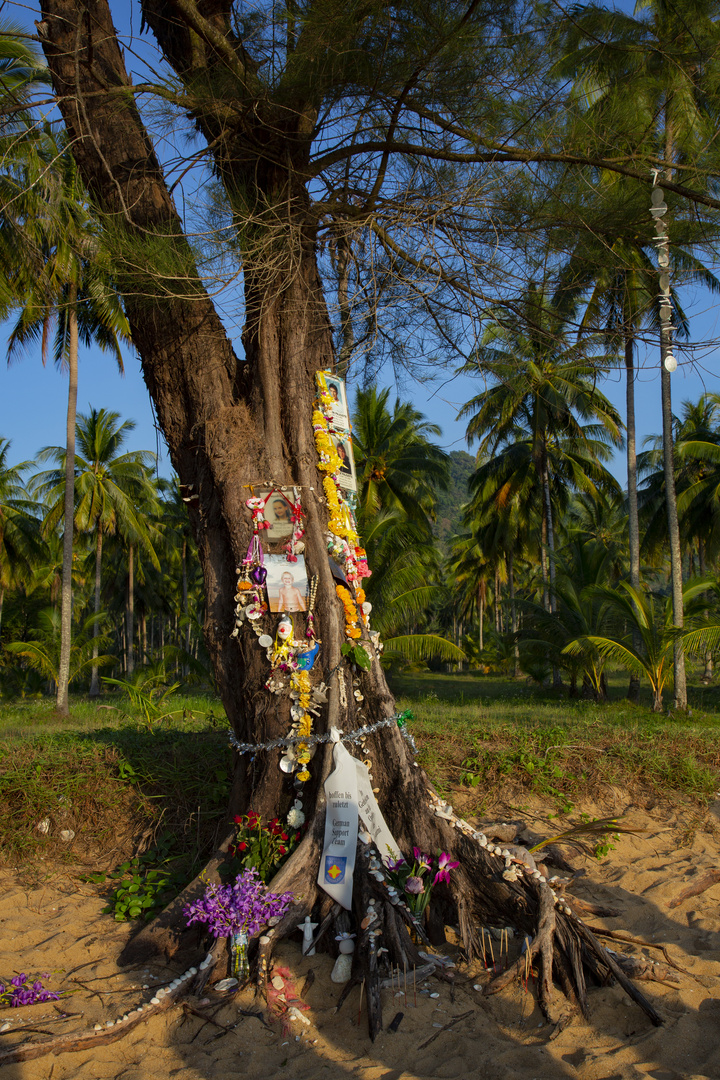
x=349, y=795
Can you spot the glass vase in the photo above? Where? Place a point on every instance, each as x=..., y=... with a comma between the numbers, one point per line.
x=239, y=956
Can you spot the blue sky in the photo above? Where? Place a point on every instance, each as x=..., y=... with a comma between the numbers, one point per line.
x=33, y=398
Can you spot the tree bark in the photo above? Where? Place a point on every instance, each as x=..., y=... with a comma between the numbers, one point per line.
x=633, y=520
x=513, y=612
x=95, y=679
x=62, y=699
x=130, y=613
x=673, y=527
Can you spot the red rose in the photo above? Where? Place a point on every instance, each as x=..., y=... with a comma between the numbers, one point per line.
x=282, y=849
x=283, y=836
x=237, y=819
x=242, y=845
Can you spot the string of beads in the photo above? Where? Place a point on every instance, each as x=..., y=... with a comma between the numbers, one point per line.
x=313, y=740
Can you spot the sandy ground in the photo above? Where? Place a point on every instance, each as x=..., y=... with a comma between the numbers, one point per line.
x=54, y=925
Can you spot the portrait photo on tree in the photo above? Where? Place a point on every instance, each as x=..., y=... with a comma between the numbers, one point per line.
x=342, y=442
x=338, y=402
x=286, y=583
x=278, y=513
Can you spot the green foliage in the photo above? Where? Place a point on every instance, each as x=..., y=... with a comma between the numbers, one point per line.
x=148, y=694
x=145, y=884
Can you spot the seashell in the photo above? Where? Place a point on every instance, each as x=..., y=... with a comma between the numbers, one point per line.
x=505, y=853
x=287, y=764
x=278, y=982
x=264, y=641
x=225, y=984
x=436, y=995
x=161, y=992
x=98, y=1027
x=109, y=1023
x=43, y=826
x=368, y=920
x=67, y=835
x=154, y=1000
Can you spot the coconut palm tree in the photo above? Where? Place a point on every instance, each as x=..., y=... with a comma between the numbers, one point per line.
x=648, y=82
x=20, y=541
x=542, y=412
x=64, y=288
x=110, y=488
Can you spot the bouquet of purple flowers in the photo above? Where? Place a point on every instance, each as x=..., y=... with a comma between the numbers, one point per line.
x=20, y=991
x=238, y=911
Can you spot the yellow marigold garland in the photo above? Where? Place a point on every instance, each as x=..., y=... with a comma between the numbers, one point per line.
x=300, y=683
x=351, y=613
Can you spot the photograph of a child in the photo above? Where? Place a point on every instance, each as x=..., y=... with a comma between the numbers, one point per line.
x=286, y=584
x=278, y=514
x=336, y=388
x=346, y=474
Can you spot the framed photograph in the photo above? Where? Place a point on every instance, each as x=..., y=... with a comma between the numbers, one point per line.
x=286, y=584
x=336, y=387
x=278, y=512
x=342, y=441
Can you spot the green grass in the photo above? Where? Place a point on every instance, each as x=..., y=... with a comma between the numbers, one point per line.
x=113, y=780
x=125, y=787
x=489, y=735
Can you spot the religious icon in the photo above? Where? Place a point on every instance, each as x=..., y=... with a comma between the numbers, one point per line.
x=286, y=584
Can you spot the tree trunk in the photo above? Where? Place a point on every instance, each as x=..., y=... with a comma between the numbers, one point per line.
x=481, y=613
x=633, y=520
x=2, y=600
x=708, y=672
x=673, y=528
x=228, y=424
x=185, y=668
x=95, y=680
x=513, y=612
x=130, y=613
x=62, y=699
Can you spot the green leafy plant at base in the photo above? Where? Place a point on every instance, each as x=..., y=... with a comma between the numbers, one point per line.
x=258, y=846
x=147, y=883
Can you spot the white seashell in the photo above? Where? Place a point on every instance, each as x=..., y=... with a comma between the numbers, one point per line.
x=477, y=986
x=505, y=853
x=109, y=1023
x=287, y=764
x=154, y=1000
x=98, y=1027
x=192, y=971
x=43, y=826
x=435, y=995
x=225, y=984
x=66, y=835
x=161, y=992
x=264, y=641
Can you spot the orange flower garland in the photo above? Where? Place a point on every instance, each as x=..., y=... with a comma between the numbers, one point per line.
x=351, y=614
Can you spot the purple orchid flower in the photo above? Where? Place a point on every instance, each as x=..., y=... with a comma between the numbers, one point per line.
x=445, y=865
x=422, y=861
x=414, y=885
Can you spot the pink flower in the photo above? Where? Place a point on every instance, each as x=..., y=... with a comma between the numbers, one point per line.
x=445, y=865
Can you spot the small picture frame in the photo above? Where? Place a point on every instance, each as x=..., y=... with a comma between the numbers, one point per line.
x=336, y=389
x=286, y=583
x=278, y=514
x=342, y=441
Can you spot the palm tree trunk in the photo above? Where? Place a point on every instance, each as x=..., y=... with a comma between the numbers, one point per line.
x=130, y=613
x=556, y=676
x=633, y=520
x=2, y=598
x=481, y=610
x=669, y=463
x=673, y=528
x=708, y=672
x=95, y=680
x=513, y=612
x=185, y=668
x=62, y=701
x=543, y=559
